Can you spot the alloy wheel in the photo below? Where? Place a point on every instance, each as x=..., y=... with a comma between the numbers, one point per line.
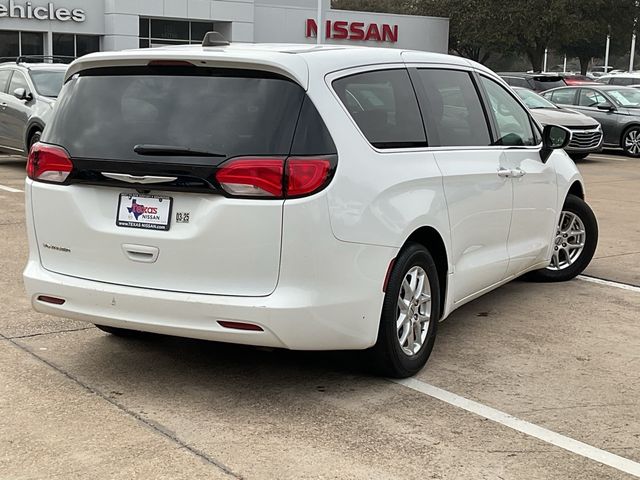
x=413, y=311
x=632, y=142
x=569, y=241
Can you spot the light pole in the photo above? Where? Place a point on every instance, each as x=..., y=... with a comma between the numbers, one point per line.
x=633, y=50
x=606, y=54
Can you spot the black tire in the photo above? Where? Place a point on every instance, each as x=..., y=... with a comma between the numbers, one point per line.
x=632, y=135
x=119, y=332
x=578, y=156
x=578, y=207
x=388, y=357
x=35, y=138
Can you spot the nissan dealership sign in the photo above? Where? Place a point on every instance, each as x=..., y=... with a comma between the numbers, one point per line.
x=29, y=11
x=341, y=30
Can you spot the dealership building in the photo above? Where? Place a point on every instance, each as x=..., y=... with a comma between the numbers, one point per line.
x=76, y=27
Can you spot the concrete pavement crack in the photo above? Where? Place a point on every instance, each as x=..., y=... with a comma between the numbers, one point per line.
x=616, y=255
x=17, y=337
x=155, y=426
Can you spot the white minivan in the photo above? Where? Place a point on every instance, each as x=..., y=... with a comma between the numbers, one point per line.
x=294, y=196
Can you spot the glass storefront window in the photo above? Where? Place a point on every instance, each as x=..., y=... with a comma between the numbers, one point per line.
x=9, y=45
x=170, y=30
x=199, y=30
x=32, y=43
x=144, y=28
x=155, y=31
x=86, y=44
x=64, y=45
x=69, y=45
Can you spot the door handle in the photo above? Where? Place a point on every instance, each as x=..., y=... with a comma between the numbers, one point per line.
x=517, y=173
x=4, y=105
x=504, y=172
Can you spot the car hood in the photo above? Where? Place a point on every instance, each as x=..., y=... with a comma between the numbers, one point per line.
x=562, y=116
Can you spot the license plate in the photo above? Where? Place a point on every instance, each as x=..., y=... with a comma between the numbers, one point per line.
x=144, y=211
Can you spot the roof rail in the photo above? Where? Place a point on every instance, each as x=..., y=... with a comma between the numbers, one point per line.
x=214, y=39
x=45, y=58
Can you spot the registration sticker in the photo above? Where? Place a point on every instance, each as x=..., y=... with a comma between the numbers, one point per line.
x=144, y=211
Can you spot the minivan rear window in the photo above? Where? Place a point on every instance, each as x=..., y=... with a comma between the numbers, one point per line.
x=105, y=113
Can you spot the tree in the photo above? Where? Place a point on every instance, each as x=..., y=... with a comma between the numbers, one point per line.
x=475, y=26
x=588, y=25
x=384, y=6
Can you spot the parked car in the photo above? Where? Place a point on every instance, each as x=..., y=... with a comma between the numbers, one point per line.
x=538, y=82
x=621, y=79
x=303, y=197
x=28, y=92
x=598, y=71
x=616, y=108
x=586, y=133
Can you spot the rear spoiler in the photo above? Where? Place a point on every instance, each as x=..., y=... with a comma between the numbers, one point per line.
x=287, y=65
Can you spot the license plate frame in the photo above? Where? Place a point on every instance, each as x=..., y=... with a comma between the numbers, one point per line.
x=143, y=217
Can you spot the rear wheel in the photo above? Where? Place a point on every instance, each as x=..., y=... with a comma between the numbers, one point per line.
x=119, y=332
x=575, y=241
x=631, y=142
x=410, y=314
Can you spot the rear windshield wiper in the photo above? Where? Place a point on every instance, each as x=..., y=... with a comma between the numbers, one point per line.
x=173, y=150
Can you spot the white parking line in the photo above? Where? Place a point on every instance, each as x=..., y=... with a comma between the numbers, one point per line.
x=9, y=189
x=606, y=157
x=553, y=438
x=609, y=283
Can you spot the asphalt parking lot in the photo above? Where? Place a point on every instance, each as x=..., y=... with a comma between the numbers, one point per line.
x=532, y=381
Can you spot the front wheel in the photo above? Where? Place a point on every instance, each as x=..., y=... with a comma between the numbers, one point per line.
x=410, y=314
x=631, y=142
x=35, y=138
x=574, y=244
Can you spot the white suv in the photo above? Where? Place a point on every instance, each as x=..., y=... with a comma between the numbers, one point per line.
x=302, y=197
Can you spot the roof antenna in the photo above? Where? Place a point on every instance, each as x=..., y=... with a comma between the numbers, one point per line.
x=214, y=39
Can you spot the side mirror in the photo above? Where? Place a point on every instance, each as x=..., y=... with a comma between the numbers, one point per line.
x=22, y=94
x=554, y=137
x=607, y=106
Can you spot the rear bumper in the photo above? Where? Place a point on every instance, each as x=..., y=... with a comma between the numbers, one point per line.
x=290, y=320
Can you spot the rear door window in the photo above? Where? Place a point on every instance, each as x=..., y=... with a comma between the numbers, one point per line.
x=590, y=98
x=452, y=109
x=384, y=105
x=105, y=113
x=566, y=96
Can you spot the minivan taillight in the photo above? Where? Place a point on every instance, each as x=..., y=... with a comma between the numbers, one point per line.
x=275, y=177
x=306, y=175
x=48, y=163
x=252, y=177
